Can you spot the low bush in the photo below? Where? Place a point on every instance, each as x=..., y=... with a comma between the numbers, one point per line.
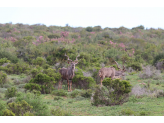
x=135, y=66
x=115, y=92
x=4, y=60
x=2, y=107
x=7, y=112
x=42, y=83
x=58, y=98
x=11, y=92
x=74, y=93
x=60, y=92
x=60, y=112
x=127, y=112
x=39, y=107
x=87, y=93
x=20, y=108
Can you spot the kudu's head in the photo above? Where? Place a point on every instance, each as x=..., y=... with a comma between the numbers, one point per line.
x=73, y=63
x=121, y=71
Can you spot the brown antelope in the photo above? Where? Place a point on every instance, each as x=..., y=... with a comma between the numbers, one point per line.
x=111, y=72
x=68, y=73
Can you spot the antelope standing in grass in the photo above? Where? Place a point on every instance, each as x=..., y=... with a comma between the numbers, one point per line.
x=111, y=72
x=68, y=73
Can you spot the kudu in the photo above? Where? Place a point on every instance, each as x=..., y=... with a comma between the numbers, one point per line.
x=68, y=73
x=111, y=72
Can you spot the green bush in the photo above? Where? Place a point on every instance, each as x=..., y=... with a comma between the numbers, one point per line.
x=3, y=78
x=74, y=93
x=135, y=65
x=2, y=107
x=7, y=112
x=54, y=36
x=87, y=93
x=4, y=60
x=115, y=92
x=127, y=112
x=20, y=108
x=9, y=55
x=17, y=68
x=60, y=112
x=42, y=83
x=89, y=29
x=39, y=107
x=11, y=92
x=39, y=61
x=60, y=92
x=58, y=98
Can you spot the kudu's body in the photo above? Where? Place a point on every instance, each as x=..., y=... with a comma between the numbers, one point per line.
x=111, y=72
x=106, y=72
x=68, y=73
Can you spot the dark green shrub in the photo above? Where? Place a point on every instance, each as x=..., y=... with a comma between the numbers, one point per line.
x=17, y=68
x=3, y=78
x=20, y=108
x=74, y=93
x=2, y=107
x=11, y=92
x=60, y=92
x=87, y=93
x=34, y=72
x=135, y=65
x=39, y=107
x=52, y=73
x=41, y=82
x=80, y=81
x=115, y=92
x=54, y=36
x=58, y=98
x=4, y=60
x=39, y=61
x=9, y=55
x=89, y=29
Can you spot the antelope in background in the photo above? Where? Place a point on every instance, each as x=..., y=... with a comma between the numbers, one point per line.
x=111, y=72
x=68, y=73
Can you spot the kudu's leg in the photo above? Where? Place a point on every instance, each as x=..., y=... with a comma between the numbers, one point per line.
x=68, y=84
x=71, y=85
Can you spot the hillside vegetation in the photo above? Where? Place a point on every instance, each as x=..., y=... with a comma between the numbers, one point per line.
x=31, y=56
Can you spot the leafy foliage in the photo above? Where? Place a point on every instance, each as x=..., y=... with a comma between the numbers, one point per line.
x=11, y=92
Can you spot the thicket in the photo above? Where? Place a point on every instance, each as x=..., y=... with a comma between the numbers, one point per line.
x=115, y=92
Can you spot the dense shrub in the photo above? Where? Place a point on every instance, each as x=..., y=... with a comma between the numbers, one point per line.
x=4, y=60
x=2, y=107
x=3, y=78
x=17, y=68
x=9, y=55
x=7, y=112
x=87, y=93
x=41, y=82
x=11, y=92
x=135, y=65
x=20, y=108
x=74, y=93
x=115, y=92
x=54, y=36
x=39, y=61
x=89, y=29
x=39, y=107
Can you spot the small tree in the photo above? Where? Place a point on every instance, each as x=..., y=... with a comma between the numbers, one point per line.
x=115, y=92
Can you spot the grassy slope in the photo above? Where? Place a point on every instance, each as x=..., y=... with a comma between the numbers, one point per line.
x=82, y=107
